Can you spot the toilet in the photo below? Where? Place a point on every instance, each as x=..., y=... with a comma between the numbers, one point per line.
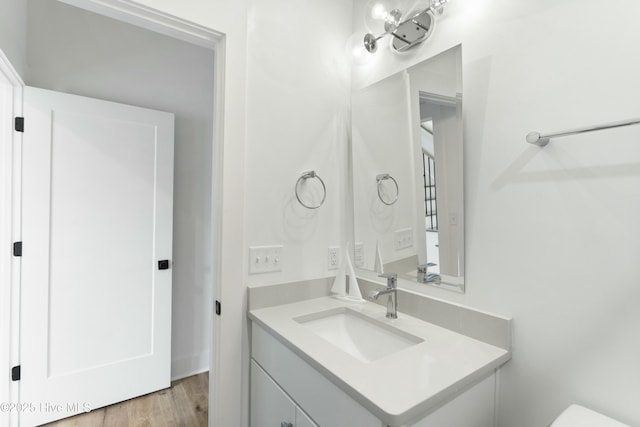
x=579, y=416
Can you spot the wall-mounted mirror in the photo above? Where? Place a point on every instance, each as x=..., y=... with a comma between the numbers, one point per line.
x=407, y=150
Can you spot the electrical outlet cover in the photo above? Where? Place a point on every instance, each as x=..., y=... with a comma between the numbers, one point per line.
x=334, y=257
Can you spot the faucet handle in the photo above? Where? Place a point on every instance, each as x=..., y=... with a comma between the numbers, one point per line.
x=427, y=264
x=391, y=279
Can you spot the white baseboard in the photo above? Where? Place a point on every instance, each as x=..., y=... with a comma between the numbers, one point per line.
x=190, y=365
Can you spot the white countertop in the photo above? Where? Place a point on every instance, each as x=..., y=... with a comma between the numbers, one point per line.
x=400, y=387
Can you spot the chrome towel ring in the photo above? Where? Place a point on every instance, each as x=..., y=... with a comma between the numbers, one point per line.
x=305, y=176
x=383, y=177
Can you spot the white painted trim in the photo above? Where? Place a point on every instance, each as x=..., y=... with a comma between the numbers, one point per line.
x=8, y=72
x=151, y=19
x=154, y=20
x=6, y=155
x=10, y=142
x=188, y=366
x=215, y=382
x=16, y=270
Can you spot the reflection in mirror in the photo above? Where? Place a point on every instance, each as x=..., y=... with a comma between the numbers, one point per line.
x=408, y=127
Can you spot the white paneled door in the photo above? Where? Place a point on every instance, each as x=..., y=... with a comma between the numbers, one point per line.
x=97, y=226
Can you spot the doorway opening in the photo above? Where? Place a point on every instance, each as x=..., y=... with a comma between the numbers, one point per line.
x=88, y=66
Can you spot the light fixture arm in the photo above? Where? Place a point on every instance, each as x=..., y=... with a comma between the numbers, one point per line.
x=390, y=25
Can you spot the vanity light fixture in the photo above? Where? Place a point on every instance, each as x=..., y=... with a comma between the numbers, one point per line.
x=406, y=33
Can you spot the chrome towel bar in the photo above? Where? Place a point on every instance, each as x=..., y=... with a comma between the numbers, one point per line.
x=305, y=176
x=542, y=140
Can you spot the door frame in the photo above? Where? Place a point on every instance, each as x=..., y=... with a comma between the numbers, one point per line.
x=10, y=172
x=130, y=12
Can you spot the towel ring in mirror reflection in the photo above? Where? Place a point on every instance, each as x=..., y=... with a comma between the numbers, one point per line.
x=305, y=176
x=379, y=179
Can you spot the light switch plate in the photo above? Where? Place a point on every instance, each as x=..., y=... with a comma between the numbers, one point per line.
x=265, y=259
x=403, y=239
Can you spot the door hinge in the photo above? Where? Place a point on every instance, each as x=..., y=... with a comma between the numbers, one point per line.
x=218, y=308
x=19, y=124
x=17, y=249
x=15, y=373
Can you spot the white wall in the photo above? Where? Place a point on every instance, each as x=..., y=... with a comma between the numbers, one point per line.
x=13, y=33
x=79, y=52
x=552, y=233
x=297, y=104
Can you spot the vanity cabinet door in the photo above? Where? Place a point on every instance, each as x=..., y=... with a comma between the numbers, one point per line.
x=270, y=406
x=302, y=420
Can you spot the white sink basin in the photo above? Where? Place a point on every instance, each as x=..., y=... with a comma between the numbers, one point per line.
x=362, y=337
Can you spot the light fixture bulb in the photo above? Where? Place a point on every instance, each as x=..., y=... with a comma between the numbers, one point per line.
x=381, y=15
x=393, y=20
x=437, y=6
x=355, y=51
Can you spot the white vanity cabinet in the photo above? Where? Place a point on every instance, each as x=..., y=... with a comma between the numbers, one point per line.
x=285, y=388
x=270, y=405
x=279, y=376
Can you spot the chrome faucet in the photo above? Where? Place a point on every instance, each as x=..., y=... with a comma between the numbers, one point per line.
x=392, y=291
x=425, y=277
